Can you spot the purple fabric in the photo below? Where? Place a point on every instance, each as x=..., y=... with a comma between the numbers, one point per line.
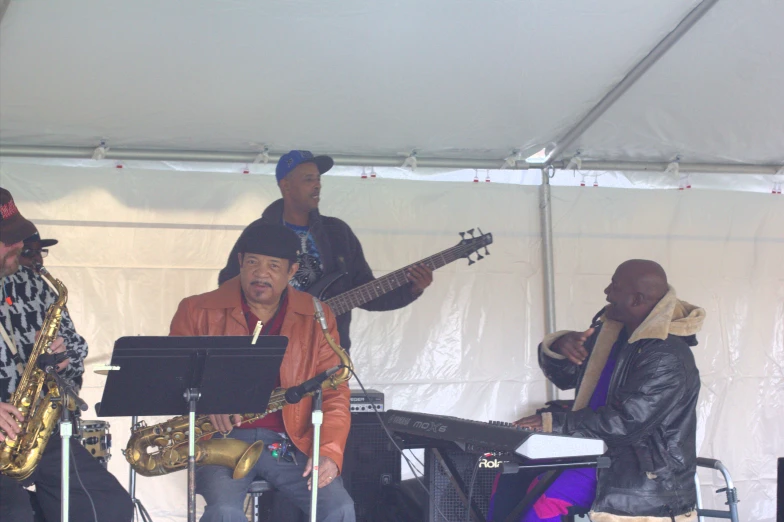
x=577, y=487
x=599, y=397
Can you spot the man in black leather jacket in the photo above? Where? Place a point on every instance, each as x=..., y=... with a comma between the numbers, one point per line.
x=649, y=419
x=330, y=245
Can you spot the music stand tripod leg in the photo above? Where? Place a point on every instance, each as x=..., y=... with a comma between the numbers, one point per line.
x=137, y=504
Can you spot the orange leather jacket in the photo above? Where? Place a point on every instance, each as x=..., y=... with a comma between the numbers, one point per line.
x=220, y=313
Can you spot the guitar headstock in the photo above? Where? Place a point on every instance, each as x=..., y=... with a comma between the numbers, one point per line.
x=473, y=244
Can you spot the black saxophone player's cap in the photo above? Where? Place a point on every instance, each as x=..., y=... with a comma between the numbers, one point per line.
x=270, y=239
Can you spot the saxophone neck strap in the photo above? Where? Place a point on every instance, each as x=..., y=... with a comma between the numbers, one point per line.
x=7, y=330
x=9, y=341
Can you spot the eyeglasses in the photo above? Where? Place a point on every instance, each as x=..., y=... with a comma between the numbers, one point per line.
x=30, y=253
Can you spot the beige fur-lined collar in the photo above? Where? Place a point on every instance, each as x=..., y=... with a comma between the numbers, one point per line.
x=670, y=316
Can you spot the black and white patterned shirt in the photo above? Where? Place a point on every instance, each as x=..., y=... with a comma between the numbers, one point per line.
x=30, y=297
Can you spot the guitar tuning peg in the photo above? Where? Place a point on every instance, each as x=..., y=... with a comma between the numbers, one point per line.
x=462, y=235
x=479, y=256
x=487, y=252
x=470, y=231
x=471, y=261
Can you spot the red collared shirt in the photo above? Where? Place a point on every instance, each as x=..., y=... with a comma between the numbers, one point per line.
x=273, y=421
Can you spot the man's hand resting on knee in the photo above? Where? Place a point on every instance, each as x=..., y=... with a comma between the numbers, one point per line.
x=328, y=471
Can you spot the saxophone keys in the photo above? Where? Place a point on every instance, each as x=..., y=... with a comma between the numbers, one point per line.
x=171, y=457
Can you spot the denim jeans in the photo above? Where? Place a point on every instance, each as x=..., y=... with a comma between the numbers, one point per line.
x=225, y=496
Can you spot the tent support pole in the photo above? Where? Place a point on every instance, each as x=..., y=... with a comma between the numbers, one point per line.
x=84, y=153
x=630, y=79
x=548, y=271
x=3, y=7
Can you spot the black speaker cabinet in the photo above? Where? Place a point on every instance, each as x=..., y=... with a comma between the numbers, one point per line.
x=371, y=467
x=451, y=471
x=780, y=493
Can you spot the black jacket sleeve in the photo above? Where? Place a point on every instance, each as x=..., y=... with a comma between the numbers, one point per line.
x=361, y=273
x=562, y=372
x=653, y=384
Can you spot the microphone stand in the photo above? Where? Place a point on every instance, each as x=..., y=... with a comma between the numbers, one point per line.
x=137, y=504
x=317, y=418
x=192, y=395
x=68, y=397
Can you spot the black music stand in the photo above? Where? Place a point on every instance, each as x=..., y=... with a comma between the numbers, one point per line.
x=183, y=375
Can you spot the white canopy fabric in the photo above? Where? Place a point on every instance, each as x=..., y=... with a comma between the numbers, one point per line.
x=452, y=79
x=129, y=252
x=459, y=80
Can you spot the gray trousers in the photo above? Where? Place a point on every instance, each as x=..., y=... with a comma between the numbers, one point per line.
x=225, y=496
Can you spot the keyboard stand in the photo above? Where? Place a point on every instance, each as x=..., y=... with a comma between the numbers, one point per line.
x=454, y=477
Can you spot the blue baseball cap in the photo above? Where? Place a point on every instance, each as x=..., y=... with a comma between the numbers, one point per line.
x=294, y=158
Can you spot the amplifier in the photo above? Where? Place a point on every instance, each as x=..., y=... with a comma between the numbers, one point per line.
x=371, y=468
x=360, y=403
x=780, y=493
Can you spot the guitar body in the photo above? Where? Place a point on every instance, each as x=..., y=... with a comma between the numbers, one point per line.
x=321, y=287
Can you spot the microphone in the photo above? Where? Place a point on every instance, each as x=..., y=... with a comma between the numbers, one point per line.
x=48, y=363
x=320, y=314
x=296, y=393
x=47, y=360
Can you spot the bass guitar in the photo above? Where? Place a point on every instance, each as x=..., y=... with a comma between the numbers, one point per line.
x=342, y=303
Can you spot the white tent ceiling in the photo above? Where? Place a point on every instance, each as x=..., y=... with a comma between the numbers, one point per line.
x=463, y=79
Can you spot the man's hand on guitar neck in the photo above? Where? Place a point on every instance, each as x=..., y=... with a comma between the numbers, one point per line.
x=420, y=276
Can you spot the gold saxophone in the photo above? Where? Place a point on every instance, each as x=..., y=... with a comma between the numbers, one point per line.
x=163, y=448
x=37, y=397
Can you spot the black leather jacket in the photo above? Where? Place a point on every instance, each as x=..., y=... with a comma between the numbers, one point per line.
x=339, y=250
x=649, y=425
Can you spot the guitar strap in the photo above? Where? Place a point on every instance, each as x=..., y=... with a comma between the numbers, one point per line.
x=342, y=265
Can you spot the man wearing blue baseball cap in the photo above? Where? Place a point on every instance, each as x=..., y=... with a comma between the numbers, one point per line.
x=329, y=246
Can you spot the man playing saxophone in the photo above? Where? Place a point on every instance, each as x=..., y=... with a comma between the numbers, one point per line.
x=26, y=298
x=260, y=294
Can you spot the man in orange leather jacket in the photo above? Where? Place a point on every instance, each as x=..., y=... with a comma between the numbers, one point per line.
x=260, y=293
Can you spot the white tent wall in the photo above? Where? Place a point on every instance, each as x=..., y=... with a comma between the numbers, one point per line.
x=133, y=243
